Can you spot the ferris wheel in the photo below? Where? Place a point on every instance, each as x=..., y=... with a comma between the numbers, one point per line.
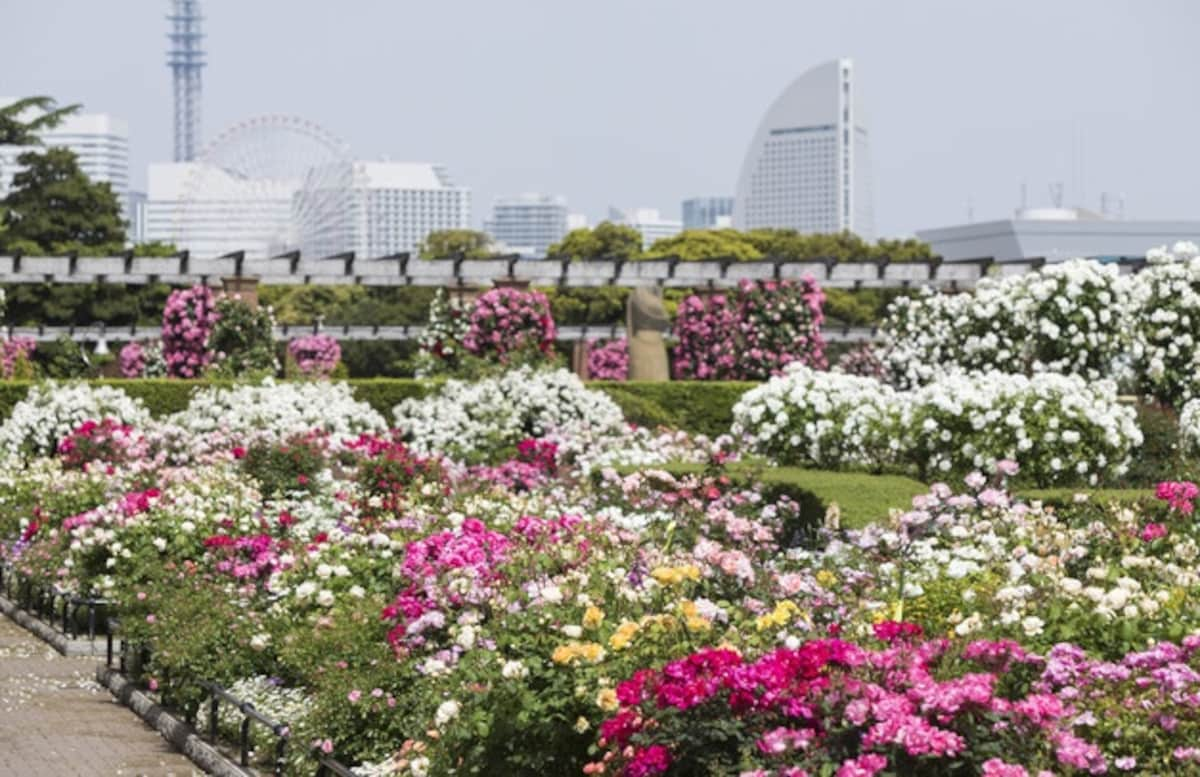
x=267, y=185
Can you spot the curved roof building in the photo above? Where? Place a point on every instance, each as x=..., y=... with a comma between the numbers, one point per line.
x=808, y=166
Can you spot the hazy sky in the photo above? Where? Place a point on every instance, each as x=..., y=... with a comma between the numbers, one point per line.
x=646, y=102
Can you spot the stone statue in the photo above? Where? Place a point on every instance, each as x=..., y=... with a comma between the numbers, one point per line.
x=645, y=322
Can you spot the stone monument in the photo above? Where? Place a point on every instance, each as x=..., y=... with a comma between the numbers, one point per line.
x=645, y=322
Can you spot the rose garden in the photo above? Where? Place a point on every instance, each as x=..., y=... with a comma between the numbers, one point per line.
x=967, y=549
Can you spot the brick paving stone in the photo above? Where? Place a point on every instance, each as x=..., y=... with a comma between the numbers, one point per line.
x=57, y=721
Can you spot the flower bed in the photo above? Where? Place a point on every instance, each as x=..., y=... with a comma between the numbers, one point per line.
x=419, y=612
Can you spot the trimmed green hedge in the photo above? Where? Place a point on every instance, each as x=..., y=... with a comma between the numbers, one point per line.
x=699, y=407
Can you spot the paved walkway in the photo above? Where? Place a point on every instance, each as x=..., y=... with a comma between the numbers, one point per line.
x=57, y=721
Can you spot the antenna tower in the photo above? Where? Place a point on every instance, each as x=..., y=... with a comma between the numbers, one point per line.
x=185, y=57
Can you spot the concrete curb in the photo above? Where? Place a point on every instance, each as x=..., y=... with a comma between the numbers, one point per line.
x=178, y=733
x=72, y=648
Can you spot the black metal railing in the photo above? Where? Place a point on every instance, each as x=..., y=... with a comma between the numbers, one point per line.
x=280, y=731
x=58, y=608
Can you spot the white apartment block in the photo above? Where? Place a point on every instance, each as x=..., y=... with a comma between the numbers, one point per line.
x=528, y=224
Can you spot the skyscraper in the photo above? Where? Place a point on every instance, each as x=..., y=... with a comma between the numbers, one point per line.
x=808, y=166
x=707, y=212
x=185, y=57
x=528, y=224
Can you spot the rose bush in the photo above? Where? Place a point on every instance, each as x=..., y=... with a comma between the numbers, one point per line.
x=511, y=325
x=188, y=319
x=750, y=334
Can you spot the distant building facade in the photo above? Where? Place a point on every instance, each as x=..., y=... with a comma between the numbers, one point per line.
x=1055, y=234
x=528, y=224
x=648, y=221
x=371, y=208
x=808, y=165
x=707, y=212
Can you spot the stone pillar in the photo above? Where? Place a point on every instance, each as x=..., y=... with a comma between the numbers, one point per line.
x=645, y=322
x=579, y=359
x=244, y=287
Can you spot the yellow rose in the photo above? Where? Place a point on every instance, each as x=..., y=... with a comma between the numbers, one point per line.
x=592, y=617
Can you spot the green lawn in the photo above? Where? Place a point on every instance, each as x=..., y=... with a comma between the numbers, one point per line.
x=863, y=498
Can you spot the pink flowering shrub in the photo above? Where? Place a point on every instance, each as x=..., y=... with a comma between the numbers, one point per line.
x=316, y=356
x=534, y=465
x=108, y=442
x=862, y=361
x=609, y=361
x=132, y=360
x=751, y=334
x=16, y=350
x=508, y=324
x=1180, y=496
x=912, y=707
x=188, y=319
x=1145, y=707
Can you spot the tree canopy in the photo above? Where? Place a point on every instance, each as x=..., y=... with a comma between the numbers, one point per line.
x=697, y=244
x=445, y=243
x=15, y=131
x=54, y=208
x=788, y=245
x=606, y=241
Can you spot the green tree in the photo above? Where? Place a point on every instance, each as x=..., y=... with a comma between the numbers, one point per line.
x=15, y=131
x=155, y=248
x=606, y=241
x=446, y=243
x=54, y=207
x=908, y=250
x=696, y=244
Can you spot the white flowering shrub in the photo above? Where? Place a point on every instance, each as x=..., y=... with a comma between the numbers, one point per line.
x=473, y=421
x=920, y=336
x=1059, y=427
x=1167, y=330
x=278, y=411
x=1077, y=315
x=50, y=411
x=825, y=419
x=1070, y=318
x=1189, y=427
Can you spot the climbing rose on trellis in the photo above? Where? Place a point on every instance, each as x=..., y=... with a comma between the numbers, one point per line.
x=188, y=319
x=509, y=322
x=750, y=334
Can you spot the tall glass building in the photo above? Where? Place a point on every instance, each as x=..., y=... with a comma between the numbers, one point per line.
x=808, y=166
x=706, y=212
x=528, y=224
